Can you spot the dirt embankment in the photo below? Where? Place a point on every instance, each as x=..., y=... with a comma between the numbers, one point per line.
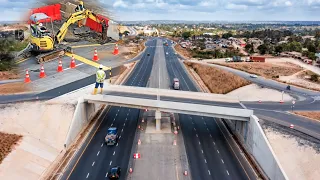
x=184, y=52
x=217, y=80
x=267, y=70
x=7, y=143
x=14, y=88
x=309, y=114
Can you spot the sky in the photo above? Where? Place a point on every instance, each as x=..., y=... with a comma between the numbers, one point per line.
x=214, y=10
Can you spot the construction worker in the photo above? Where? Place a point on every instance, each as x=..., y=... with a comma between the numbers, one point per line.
x=100, y=77
x=80, y=8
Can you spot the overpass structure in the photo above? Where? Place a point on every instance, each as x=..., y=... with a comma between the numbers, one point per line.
x=240, y=120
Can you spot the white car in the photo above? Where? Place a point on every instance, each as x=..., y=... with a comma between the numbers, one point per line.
x=166, y=53
x=253, y=76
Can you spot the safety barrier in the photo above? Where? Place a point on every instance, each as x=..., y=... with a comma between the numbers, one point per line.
x=52, y=11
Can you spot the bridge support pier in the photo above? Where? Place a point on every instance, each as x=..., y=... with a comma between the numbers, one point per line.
x=158, y=120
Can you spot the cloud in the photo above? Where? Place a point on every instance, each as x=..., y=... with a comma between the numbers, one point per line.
x=191, y=9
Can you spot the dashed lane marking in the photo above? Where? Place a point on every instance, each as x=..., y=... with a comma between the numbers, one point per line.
x=228, y=172
x=87, y=175
x=194, y=128
x=209, y=172
x=218, y=151
x=117, y=144
x=114, y=152
x=119, y=137
x=99, y=152
x=197, y=135
x=205, y=160
x=202, y=151
x=199, y=142
x=106, y=174
x=214, y=143
x=101, y=144
x=222, y=161
x=110, y=163
x=93, y=163
x=76, y=66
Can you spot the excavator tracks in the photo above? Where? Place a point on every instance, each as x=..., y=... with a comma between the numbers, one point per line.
x=52, y=55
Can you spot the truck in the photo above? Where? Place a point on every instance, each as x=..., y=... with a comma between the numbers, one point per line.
x=176, y=84
x=236, y=59
x=112, y=136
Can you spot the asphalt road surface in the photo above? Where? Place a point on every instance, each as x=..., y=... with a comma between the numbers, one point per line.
x=209, y=153
x=97, y=158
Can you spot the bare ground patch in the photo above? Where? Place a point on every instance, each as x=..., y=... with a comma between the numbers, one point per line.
x=267, y=70
x=309, y=114
x=5, y=75
x=12, y=88
x=184, y=52
x=217, y=80
x=7, y=143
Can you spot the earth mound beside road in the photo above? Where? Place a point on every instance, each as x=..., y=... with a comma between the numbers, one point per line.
x=7, y=143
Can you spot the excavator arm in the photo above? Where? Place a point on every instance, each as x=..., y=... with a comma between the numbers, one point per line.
x=75, y=17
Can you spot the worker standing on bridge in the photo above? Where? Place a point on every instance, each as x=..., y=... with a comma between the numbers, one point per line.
x=100, y=77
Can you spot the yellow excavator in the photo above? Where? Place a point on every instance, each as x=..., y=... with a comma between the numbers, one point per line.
x=46, y=43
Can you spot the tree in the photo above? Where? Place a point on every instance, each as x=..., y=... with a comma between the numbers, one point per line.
x=263, y=49
x=186, y=34
x=314, y=77
x=311, y=48
x=227, y=35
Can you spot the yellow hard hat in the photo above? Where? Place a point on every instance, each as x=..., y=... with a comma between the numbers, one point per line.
x=81, y=2
x=37, y=23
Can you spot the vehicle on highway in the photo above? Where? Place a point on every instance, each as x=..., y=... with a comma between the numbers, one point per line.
x=148, y=54
x=112, y=136
x=176, y=85
x=253, y=76
x=166, y=53
x=228, y=60
x=288, y=87
x=114, y=172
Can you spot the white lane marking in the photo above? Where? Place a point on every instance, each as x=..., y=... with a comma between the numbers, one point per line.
x=205, y=160
x=204, y=123
x=121, y=130
x=192, y=123
x=228, y=172
x=214, y=143
x=202, y=151
x=210, y=135
x=114, y=119
x=76, y=66
x=209, y=172
x=111, y=124
x=118, y=110
x=93, y=163
x=119, y=137
x=199, y=142
x=202, y=117
x=218, y=151
x=194, y=128
x=117, y=144
x=190, y=117
x=124, y=124
x=87, y=175
x=197, y=135
x=208, y=129
x=110, y=163
x=101, y=144
x=98, y=153
x=107, y=175
x=243, y=105
x=126, y=118
x=116, y=114
x=222, y=161
x=114, y=152
x=127, y=114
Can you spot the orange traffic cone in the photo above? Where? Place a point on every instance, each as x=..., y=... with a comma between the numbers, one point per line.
x=27, y=79
x=116, y=50
x=72, y=63
x=60, y=69
x=95, y=55
x=139, y=142
x=42, y=73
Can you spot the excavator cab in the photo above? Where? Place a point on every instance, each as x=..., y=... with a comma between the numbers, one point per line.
x=41, y=38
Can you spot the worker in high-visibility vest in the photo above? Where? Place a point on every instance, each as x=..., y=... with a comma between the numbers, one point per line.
x=100, y=77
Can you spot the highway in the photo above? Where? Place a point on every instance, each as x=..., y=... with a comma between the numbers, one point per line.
x=97, y=158
x=209, y=154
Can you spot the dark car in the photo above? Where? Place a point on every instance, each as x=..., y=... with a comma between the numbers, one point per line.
x=114, y=172
x=148, y=54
